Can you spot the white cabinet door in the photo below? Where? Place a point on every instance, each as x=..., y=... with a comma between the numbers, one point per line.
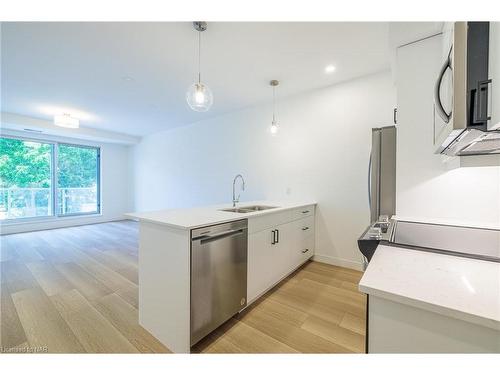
x=269, y=258
x=260, y=263
x=275, y=252
x=281, y=251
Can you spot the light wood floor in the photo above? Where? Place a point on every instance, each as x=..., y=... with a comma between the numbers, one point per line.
x=74, y=290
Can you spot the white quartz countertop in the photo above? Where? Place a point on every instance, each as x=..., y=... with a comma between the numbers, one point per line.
x=189, y=218
x=463, y=288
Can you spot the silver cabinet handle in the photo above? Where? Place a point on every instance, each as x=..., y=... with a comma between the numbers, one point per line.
x=437, y=87
x=277, y=236
x=305, y=212
x=305, y=228
x=305, y=251
x=274, y=237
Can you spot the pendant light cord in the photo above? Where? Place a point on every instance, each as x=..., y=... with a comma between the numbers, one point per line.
x=199, y=56
x=274, y=103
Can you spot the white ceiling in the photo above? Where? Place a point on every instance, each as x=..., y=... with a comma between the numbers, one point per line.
x=79, y=68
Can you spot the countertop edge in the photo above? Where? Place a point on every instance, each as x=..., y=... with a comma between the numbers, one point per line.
x=284, y=207
x=442, y=310
x=151, y=221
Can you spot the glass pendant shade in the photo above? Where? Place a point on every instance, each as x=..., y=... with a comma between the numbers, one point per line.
x=199, y=97
x=274, y=128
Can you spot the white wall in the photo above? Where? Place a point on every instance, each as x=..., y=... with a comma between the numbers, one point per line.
x=321, y=152
x=428, y=189
x=116, y=194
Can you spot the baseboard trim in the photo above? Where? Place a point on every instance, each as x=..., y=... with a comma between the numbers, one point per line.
x=341, y=262
x=56, y=224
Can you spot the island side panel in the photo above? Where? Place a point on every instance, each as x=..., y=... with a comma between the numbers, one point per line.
x=164, y=284
x=399, y=328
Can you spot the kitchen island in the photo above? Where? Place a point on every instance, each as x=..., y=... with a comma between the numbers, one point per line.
x=426, y=302
x=280, y=239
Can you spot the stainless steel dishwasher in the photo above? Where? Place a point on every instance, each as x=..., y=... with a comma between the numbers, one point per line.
x=218, y=275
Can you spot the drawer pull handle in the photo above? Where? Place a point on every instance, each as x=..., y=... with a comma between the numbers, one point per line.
x=305, y=212
x=305, y=228
x=305, y=251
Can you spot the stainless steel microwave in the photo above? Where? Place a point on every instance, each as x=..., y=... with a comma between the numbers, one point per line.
x=467, y=90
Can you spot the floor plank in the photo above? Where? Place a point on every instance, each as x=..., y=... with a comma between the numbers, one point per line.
x=86, y=284
x=295, y=337
x=302, y=302
x=11, y=332
x=354, y=323
x=95, y=333
x=332, y=332
x=49, y=278
x=280, y=311
x=125, y=317
x=130, y=294
x=245, y=339
x=42, y=324
x=15, y=276
x=108, y=277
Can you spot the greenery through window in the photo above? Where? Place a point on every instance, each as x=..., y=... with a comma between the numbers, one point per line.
x=77, y=179
x=25, y=178
x=29, y=182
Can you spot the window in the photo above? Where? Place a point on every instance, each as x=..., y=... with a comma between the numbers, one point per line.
x=77, y=179
x=25, y=178
x=44, y=179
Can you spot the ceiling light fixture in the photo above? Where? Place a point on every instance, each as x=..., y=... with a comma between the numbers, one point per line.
x=274, y=123
x=66, y=121
x=329, y=69
x=199, y=96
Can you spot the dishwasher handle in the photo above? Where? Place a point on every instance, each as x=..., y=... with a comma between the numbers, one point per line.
x=217, y=236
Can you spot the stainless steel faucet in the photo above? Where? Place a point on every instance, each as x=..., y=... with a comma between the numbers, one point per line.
x=237, y=199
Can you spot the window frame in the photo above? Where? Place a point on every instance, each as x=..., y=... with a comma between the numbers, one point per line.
x=54, y=181
x=98, y=179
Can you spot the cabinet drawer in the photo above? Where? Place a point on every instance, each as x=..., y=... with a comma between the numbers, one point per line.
x=302, y=251
x=258, y=223
x=307, y=250
x=305, y=227
x=301, y=212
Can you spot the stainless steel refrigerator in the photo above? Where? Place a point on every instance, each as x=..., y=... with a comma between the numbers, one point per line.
x=382, y=173
x=381, y=190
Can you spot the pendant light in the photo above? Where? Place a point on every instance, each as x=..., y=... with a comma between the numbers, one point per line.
x=199, y=96
x=274, y=124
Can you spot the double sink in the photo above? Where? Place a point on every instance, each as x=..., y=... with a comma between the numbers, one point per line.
x=247, y=209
